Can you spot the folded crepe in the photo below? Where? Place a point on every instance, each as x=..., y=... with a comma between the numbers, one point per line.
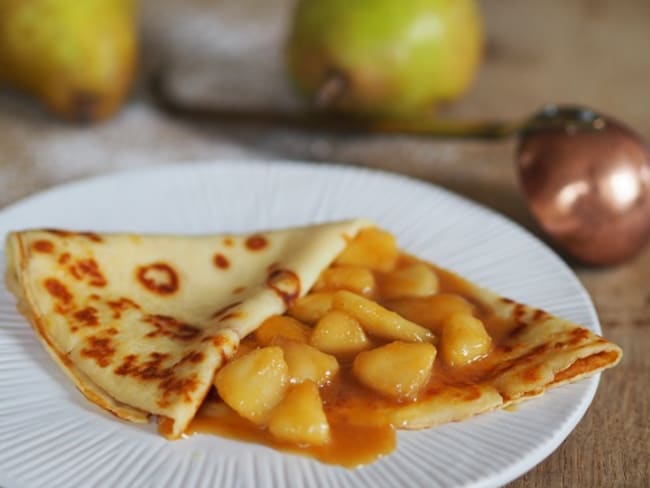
x=141, y=323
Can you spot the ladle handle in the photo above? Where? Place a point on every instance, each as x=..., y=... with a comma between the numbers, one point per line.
x=321, y=121
x=555, y=118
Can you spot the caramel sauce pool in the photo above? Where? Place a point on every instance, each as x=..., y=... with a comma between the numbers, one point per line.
x=350, y=446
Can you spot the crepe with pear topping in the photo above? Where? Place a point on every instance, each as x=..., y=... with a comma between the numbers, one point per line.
x=141, y=323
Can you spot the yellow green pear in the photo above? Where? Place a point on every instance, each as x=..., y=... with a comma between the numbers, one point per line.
x=77, y=56
x=384, y=56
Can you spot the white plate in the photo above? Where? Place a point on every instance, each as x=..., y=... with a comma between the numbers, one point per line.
x=51, y=436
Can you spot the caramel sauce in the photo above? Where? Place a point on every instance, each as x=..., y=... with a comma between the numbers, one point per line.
x=359, y=417
x=350, y=445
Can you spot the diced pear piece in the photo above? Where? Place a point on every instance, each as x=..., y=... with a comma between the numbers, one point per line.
x=352, y=278
x=338, y=333
x=379, y=321
x=310, y=308
x=306, y=363
x=255, y=383
x=300, y=418
x=398, y=370
x=414, y=280
x=430, y=312
x=464, y=339
x=371, y=248
x=278, y=327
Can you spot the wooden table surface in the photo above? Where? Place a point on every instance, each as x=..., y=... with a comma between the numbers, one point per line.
x=590, y=52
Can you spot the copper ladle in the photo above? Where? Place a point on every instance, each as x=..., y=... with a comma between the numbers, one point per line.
x=586, y=177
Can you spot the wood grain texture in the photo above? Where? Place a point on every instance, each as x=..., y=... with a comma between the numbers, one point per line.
x=591, y=52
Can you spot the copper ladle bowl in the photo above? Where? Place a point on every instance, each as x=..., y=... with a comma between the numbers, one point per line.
x=587, y=182
x=586, y=177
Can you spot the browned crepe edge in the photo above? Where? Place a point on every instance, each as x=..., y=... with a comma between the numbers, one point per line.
x=15, y=267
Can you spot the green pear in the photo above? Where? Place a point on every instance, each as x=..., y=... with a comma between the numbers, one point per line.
x=384, y=56
x=76, y=56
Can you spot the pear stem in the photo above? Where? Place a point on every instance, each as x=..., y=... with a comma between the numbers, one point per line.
x=331, y=90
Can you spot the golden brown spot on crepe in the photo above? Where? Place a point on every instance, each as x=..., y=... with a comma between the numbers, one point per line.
x=256, y=242
x=182, y=387
x=529, y=357
x=120, y=305
x=158, y=278
x=88, y=268
x=64, y=258
x=148, y=370
x=221, y=261
x=58, y=232
x=87, y=316
x=228, y=242
x=112, y=331
x=507, y=300
x=517, y=330
x=92, y=236
x=94, y=296
x=223, y=310
x=531, y=375
x=58, y=290
x=197, y=357
x=272, y=267
x=100, y=349
x=219, y=342
x=65, y=233
x=578, y=335
x=539, y=314
x=43, y=245
x=193, y=357
x=518, y=312
x=286, y=284
x=170, y=327
x=238, y=290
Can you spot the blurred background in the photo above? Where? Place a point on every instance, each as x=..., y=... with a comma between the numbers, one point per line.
x=232, y=53
x=588, y=52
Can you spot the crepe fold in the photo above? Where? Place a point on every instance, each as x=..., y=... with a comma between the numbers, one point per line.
x=141, y=323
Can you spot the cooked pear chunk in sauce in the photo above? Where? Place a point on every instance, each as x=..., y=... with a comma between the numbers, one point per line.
x=340, y=334
x=371, y=248
x=414, y=280
x=379, y=321
x=299, y=418
x=464, y=340
x=398, y=370
x=255, y=383
x=311, y=308
x=278, y=327
x=431, y=311
x=306, y=363
x=351, y=278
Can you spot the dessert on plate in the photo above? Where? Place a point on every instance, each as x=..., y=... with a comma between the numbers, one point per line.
x=320, y=340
